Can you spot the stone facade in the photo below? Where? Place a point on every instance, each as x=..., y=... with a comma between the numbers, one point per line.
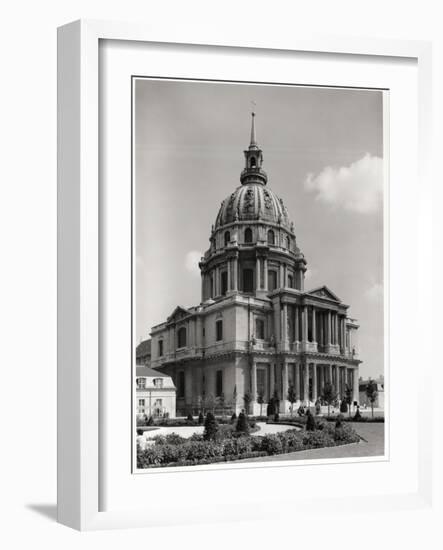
x=256, y=330
x=155, y=393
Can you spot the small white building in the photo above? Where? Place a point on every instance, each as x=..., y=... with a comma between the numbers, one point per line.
x=155, y=393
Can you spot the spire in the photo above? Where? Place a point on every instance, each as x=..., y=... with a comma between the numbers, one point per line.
x=253, y=138
x=253, y=172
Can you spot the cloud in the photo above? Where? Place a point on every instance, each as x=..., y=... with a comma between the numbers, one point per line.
x=375, y=292
x=357, y=187
x=192, y=259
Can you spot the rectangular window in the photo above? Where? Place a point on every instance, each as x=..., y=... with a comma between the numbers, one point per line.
x=160, y=348
x=272, y=280
x=224, y=282
x=219, y=330
x=141, y=383
x=141, y=402
x=181, y=384
x=248, y=280
x=219, y=383
x=261, y=382
x=260, y=329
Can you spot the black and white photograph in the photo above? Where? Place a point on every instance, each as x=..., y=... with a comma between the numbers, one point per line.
x=258, y=272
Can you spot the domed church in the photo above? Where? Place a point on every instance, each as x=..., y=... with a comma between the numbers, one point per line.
x=257, y=332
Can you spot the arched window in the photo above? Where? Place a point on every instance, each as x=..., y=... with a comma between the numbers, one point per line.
x=227, y=238
x=272, y=280
x=260, y=329
x=288, y=243
x=290, y=281
x=248, y=235
x=253, y=162
x=224, y=282
x=248, y=280
x=182, y=337
x=219, y=330
x=271, y=237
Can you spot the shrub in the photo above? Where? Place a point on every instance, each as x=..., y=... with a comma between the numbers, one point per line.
x=190, y=418
x=233, y=417
x=201, y=418
x=196, y=437
x=271, y=444
x=343, y=406
x=270, y=409
x=139, y=432
x=244, y=445
x=317, y=438
x=310, y=422
x=301, y=411
x=211, y=427
x=345, y=434
x=357, y=415
x=242, y=424
x=150, y=421
x=174, y=439
x=276, y=417
x=225, y=431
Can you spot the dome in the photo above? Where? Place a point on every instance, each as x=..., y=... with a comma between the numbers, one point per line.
x=253, y=202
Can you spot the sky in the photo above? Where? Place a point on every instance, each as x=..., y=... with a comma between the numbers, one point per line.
x=323, y=153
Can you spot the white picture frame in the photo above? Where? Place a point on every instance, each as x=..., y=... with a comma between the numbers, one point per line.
x=79, y=434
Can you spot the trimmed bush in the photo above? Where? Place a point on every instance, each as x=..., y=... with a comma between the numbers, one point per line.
x=272, y=444
x=343, y=406
x=211, y=427
x=242, y=425
x=233, y=417
x=201, y=418
x=190, y=418
x=310, y=421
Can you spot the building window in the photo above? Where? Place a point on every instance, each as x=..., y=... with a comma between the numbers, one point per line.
x=248, y=235
x=224, y=282
x=290, y=281
x=271, y=237
x=227, y=238
x=219, y=383
x=158, y=382
x=212, y=286
x=261, y=382
x=182, y=337
x=288, y=243
x=260, y=329
x=253, y=162
x=181, y=384
x=248, y=280
x=272, y=280
x=141, y=402
x=160, y=348
x=141, y=383
x=219, y=330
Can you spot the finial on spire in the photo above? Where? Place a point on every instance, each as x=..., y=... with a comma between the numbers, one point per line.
x=253, y=138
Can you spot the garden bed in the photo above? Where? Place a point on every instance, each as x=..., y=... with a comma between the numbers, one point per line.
x=173, y=450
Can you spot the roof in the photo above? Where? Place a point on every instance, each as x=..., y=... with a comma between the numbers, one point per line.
x=143, y=349
x=147, y=371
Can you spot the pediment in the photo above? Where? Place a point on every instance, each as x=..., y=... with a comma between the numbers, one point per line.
x=178, y=314
x=324, y=292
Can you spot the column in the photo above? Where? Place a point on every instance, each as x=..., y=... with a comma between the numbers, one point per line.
x=328, y=328
x=229, y=275
x=330, y=373
x=285, y=323
x=321, y=378
x=235, y=285
x=304, y=324
x=297, y=381
x=339, y=381
x=355, y=392
x=265, y=274
x=297, y=324
x=314, y=382
x=271, y=379
x=188, y=387
x=306, y=383
x=314, y=328
x=285, y=276
x=336, y=328
x=217, y=281
x=203, y=287
x=254, y=382
x=285, y=385
x=257, y=274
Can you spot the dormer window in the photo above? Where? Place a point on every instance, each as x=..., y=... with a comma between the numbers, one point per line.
x=141, y=383
x=158, y=382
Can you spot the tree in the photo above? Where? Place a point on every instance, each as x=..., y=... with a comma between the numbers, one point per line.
x=233, y=417
x=348, y=394
x=210, y=402
x=247, y=398
x=343, y=406
x=276, y=401
x=211, y=427
x=242, y=424
x=270, y=409
x=201, y=418
x=329, y=395
x=261, y=400
x=310, y=421
x=371, y=394
x=190, y=418
x=234, y=398
x=292, y=397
